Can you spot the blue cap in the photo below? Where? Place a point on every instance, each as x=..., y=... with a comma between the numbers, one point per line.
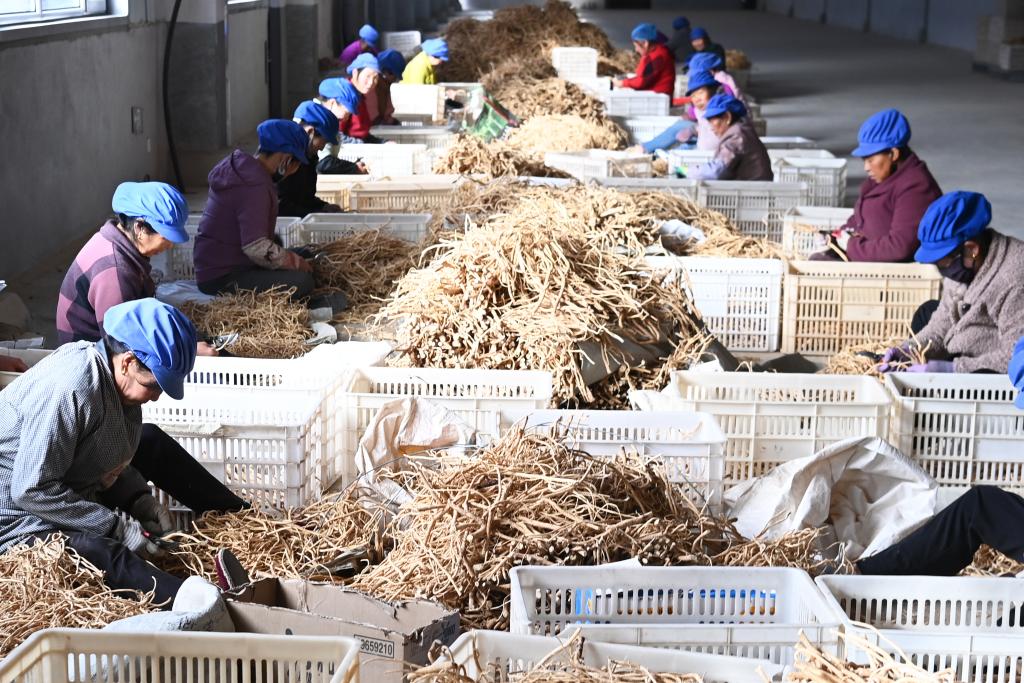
x=320, y=117
x=951, y=220
x=160, y=336
x=679, y=23
x=705, y=61
x=159, y=204
x=364, y=61
x=699, y=33
x=342, y=90
x=281, y=135
x=699, y=79
x=391, y=61
x=1016, y=372
x=369, y=35
x=882, y=131
x=436, y=47
x=646, y=32
x=722, y=103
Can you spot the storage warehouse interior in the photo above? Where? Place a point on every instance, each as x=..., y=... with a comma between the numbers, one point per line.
x=512, y=340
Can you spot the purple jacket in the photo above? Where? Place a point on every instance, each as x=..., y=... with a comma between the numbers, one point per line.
x=241, y=208
x=353, y=50
x=887, y=214
x=109, y=270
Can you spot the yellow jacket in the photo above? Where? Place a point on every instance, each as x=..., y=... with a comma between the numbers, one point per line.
x=419, y=71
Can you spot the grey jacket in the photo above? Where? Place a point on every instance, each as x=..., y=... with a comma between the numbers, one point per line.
x=62, y=428
x=977, y=325
x=740, y=156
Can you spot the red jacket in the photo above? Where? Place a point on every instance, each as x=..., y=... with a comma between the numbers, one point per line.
x=656, y=71
x=887, y=214
x=358, y=125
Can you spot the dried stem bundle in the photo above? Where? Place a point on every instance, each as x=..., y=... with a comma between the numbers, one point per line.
x=859, y=359
x=269, y=324
x=813, y=665
x=990, y=562
x=566, y=133
x=528, y=98
x=48, y=585
x=469, y=154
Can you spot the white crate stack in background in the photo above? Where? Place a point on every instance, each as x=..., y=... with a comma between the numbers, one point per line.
x=682, y=187
x=422, y=193
x=422, y=104
x=805, y=228
x=389, y=159
x=574, y=63
x=321, y=228
x=405, y=42
x=644, y=128
x=825, y=177
x=600, y=163
x=756, y=207
x=635, y=103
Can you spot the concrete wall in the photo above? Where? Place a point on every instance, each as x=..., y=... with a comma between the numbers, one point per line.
x=247, y=78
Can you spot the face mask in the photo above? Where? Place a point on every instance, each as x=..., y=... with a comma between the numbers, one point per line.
x=957, y=271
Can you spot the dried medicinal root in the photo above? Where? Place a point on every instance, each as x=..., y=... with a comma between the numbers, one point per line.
x=813, y=665
x=990, y=562
x=736, y=59
x=565, y=133
x=860, y=359
x=550, y=96
x=469, y=154
x=269, y=324
x=48, y=585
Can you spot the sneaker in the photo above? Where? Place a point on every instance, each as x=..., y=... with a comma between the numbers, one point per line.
x=230, y=572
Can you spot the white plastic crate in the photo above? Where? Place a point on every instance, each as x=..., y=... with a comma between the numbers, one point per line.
x=30, y=358
x=802, y=153
x=389, y=159
x=470, y=95
x=433, y=137
x=405, y=42
x=66, y=655
x=829, y=305
x=644, y=128
x=770, y=418
x=787, y=142
x=738, y=611
x=972, y=625
x=177, y=263
x=683, y=187
x=424, y=193
x=964, y=430
x=689, y=444
x=803, y=228
x=825, y=177
x=321, y=228
x=756, y=207
x=689, y=159
x=422, y=102
x=573, y=63
x=495, y=655
x=476, y=396
x=739, y=299
x=600, y=163
x=627, y=102
x=596, y=86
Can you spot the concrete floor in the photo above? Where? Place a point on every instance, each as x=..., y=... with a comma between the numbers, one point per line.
x=820, y=82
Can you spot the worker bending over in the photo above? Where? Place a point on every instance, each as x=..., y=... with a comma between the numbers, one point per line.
x=985, y=515
x=980, y=315
x=378, y=101
x=236, y=246
x=740, y=154
x=701, y=42
x=421, y=68
x=898, y=190
x=366, y=42
x=340, y=98
x=656, y=71
x=296, y=194
x=73, y=448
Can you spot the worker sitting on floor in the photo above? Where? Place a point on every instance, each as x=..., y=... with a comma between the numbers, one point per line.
x=656, y=71
x=378, y=101
x=236, y=247
x=340, y=98
x=898, y=190
x=73, y=447
x=701, y=87
x=713, y=64
x=366, y=42
x=421, y=68
x=980, y=315
x=113, y=267
x=701, y=42
x=296, y=194
x=679, y=44
x=985, y=515
x=740, y=154
x=364, y=73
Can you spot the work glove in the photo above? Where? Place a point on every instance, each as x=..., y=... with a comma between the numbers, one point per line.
x=153, y=516
x=842, y=238
x=933, y=366
x=897, y=354
x=130, y=533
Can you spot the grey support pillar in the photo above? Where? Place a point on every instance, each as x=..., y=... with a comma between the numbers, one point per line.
x=197, y=87
x=384, y=15
x=301, y=61
x=405, y=15
x=353, y=15
x=423, y=19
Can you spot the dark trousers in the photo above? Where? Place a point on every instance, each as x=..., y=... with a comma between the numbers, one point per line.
x=947, y=543
x=162, y=461
x=261, y=280
x=923, y=314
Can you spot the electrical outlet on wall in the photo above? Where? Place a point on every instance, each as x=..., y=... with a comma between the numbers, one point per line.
x=136, y=120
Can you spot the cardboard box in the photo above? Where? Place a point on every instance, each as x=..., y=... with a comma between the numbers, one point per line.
x=391, y=634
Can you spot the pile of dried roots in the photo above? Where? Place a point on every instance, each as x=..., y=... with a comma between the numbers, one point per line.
x=566, y=133
x=529, y=498
x=527, y=98
x=269, y=324
x=813, y=665
x=469, y=154
x=990, y=562
x=48, y=585
x=861, y=359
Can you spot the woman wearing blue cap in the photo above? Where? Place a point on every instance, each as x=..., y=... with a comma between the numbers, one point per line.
x=740, y=154
x=893, y=198
x=985, y=515
x=364, y=73
x=656, y=71
x=421, y=69
x=378, y=102
x=296, y=194
x=73, y=448
x=679, y=44
x=980, y=314
x=701, y=42
x=366, y=42
x=113, y=266
x=713, y=64
x=692, y=125
x=236, y=246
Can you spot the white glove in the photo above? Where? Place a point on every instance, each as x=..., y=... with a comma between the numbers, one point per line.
x=133, y=536
x=154, y=517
